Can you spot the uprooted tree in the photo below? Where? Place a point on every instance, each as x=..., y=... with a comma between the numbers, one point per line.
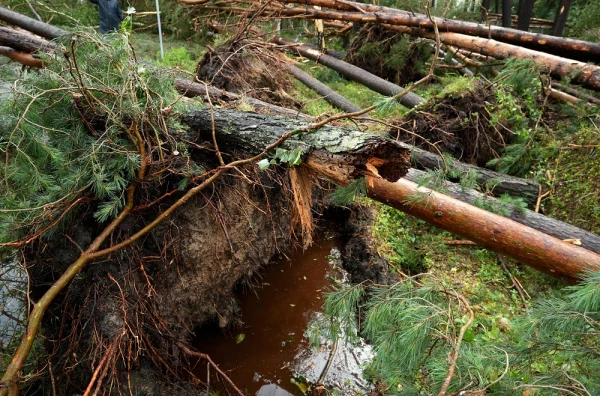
x=126, y=162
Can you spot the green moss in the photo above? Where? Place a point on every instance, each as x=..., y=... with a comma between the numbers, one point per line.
x=456, y=86
x=576, y=183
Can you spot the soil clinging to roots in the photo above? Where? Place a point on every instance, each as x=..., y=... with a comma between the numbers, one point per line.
x=387, y=54
x=458, y=124
x=248, y=68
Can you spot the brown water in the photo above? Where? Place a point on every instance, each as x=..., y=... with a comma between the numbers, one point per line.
x=275, y=315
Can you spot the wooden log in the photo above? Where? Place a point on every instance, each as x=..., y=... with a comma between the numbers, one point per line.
x=342, y=155
x=586, y=74
x=525, y=244
x=504, y=184
x=327, y=93
x=21, y=41
x=547, y=225
x=33, y=25
x=350, y=153
x=574, y=92
x=21, y=57
x=357, y=74
x=192, y=89
x=575, y=49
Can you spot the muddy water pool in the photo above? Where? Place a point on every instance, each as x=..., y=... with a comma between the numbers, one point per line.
x=259, y=354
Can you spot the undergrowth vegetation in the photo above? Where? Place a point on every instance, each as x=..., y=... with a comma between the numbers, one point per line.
x=458, y=317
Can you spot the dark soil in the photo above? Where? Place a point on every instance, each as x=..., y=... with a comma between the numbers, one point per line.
x=458, y=124
x=250, y=69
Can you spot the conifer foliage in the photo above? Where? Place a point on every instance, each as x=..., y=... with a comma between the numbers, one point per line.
x=428, y=341
x=75, y=131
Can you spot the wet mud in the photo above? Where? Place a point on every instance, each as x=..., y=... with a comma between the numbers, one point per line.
x=258, y=354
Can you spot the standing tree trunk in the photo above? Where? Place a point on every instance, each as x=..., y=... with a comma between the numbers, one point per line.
x=525, y=12
x=561, y=17
x=485, y=9
x=506, y=13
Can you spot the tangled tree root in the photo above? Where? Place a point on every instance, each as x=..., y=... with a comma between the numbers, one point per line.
x=458, y=124
x=390, y=55
x=248, y=68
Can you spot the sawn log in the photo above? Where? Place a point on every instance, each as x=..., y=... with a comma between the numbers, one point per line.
x=343, y=155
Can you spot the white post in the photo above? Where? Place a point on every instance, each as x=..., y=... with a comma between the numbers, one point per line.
x=162, y=51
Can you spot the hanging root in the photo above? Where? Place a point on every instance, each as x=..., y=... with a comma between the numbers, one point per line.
x=301, y=181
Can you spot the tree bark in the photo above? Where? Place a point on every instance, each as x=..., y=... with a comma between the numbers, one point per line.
x=588, y=75
x=33, y=25
x=351, y=154
x=576, y=49
x=528, y=190
x=327, y=93
x=561, y=17
x=21, y=57
x=547, y=225
x=343, y=155
x=524, y=13
x=527, y=245
x=23, y=42
x=507, y=13
x=192, y=89
x=357, y=74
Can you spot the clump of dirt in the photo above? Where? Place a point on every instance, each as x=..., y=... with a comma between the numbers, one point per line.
x=393, y=56
x=248, y=68
x=359, y=257
x=459, y=123
x=137, y=307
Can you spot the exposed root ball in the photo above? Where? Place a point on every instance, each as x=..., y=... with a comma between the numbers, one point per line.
x=458, y=124
x=250, y=69
x=393, y=56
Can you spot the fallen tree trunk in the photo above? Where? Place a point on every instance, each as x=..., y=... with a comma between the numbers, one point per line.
x=577, y=49
x=191, y=89
x=543, y=252
x=504, y=184
x=347, y=152
x=586, y=74
x=21, y=57
x=357, y=74
x=22, y=42
x=574, y=92
x=33, y=25
x=526, y=189
x=343, y=155
x=327, y=93
x=547, y=225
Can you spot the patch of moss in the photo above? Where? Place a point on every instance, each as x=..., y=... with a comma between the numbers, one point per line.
x=412, y=246
x=575, y=196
